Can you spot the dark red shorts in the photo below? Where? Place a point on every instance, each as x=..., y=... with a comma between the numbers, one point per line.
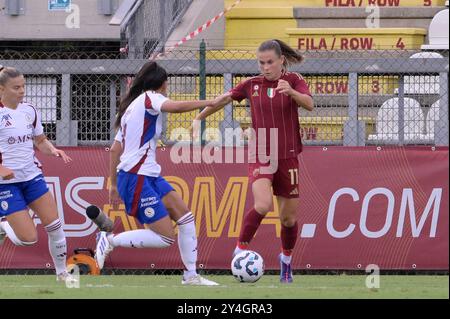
x=284, y=180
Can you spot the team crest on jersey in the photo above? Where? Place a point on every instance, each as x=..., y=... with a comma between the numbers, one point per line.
x=271, y=93
x=4, y=205
x=149, y=212
x=29, y=118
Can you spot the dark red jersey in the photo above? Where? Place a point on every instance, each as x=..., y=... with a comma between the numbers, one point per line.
x=271, y=109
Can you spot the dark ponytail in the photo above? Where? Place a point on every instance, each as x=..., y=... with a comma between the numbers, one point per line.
x=281, y=48
x=150, y=77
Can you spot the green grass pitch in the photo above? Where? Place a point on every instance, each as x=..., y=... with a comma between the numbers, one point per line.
x=169, y=287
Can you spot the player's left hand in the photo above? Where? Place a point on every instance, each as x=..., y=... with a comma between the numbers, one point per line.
x=284, y=87
x=195, y=130
x=62, y=154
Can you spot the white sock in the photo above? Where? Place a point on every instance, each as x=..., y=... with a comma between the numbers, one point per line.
x=12, y=236
x=141, y=238
x=57, y=245
x=286, y=259
x=187, y=244
x=237, y=250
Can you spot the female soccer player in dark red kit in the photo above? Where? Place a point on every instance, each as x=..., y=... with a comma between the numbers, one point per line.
x=274, y=97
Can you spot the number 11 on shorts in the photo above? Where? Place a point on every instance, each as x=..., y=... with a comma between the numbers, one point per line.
x=294, y=176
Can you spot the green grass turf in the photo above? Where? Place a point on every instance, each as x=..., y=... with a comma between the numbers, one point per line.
x=169, y=287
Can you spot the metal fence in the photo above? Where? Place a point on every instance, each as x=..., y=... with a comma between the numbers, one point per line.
x=149, y=25
x=365, y=98
x=361, y=98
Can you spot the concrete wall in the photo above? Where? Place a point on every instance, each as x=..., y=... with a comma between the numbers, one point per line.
x=38, y=23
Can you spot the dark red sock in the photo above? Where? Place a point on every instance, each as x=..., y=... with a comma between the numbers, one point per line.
x=252, y=220
x=288, y=238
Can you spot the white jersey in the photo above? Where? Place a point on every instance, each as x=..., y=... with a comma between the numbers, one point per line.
x=17, y=131
x=140, y=129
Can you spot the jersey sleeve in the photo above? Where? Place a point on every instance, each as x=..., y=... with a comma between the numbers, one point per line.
x=37, y=123
x=157, y=101
x=119, y=136
x=239, y=92
x=300, y=85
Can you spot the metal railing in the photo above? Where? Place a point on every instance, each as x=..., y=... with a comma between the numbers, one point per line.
x=149, y=25
x=376, y=98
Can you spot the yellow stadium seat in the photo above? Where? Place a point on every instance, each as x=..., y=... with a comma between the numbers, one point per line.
x=323, y=128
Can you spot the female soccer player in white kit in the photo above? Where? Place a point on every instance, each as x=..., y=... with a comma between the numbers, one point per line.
x=22, y=185
x=136, y=178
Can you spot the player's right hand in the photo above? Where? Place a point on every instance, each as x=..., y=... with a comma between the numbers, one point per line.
x=221, y=100
x=114, y=197
x=6, y=173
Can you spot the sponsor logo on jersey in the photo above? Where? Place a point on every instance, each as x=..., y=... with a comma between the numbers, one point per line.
x=20, y=139
x=148, y=201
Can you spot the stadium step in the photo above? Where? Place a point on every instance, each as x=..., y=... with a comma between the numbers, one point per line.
x=356, y=39
x=390, y=17
x=339, y=3
x=259, y=23
x=263, y=20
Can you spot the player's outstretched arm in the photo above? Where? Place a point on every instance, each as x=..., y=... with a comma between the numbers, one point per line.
x=187, y=106
x=222, y=100
x=46, y=147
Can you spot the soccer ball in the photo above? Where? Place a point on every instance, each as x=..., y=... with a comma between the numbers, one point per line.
x=247, y=266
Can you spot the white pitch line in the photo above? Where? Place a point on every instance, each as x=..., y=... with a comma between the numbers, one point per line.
x=165, y=286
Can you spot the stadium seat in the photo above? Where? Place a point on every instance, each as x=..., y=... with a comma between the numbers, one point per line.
x=432, y=117
x=387, y=121
x=329, y=128
x=422, y=84
x=438, y=32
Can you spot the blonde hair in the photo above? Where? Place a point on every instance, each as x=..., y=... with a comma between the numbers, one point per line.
x=7, y=73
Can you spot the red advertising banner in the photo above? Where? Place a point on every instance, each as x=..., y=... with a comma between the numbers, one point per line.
x=358, y=206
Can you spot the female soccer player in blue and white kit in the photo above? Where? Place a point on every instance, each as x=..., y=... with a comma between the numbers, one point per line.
x=137, y=175
x=22, y=185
